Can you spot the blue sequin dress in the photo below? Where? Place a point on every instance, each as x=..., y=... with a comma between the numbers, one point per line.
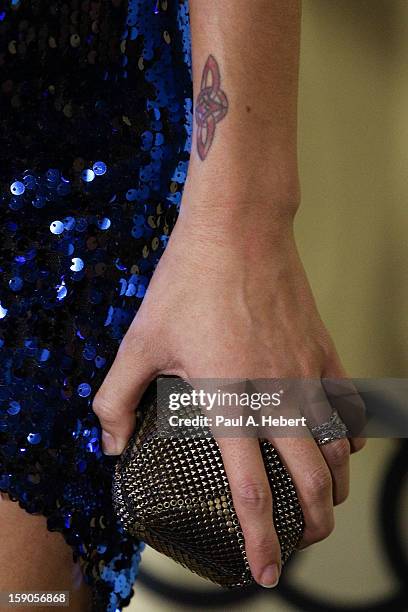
x=95, y=130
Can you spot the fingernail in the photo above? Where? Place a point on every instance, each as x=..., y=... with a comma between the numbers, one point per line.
x=109, y=444
x=270, y=576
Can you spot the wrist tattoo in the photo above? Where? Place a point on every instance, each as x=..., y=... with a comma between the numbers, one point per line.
x=211, y=106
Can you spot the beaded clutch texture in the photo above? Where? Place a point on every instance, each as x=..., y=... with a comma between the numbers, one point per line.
x=173, y=493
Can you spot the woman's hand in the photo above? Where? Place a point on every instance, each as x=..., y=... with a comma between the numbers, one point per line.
x=230, y=298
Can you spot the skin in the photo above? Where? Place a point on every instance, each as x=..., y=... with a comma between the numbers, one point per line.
x=230, y=297
x=34, y=559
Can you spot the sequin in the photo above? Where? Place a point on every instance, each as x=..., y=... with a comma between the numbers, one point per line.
x=61, y=292
x=88, y=175
x=99, y=168
x=104, y=224
x=57, y=227
x=75, y=40
x=17, y=188
x=16, y=283
x=69, y=223
x=96, y=111
x=34, y=438
x=100, y=361
x=84, y=390
x=14, y=408
x=77, y=264
x=44, y=355
x=131, y=195
x=29, y=181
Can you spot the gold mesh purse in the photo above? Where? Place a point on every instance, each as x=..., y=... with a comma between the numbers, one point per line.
x=173, y=493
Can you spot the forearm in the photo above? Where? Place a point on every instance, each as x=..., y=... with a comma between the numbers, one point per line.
x=245, y=146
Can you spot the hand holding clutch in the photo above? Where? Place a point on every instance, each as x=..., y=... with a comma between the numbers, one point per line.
x=173, y=493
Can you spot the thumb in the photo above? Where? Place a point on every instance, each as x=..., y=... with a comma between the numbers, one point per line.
x=117, y=398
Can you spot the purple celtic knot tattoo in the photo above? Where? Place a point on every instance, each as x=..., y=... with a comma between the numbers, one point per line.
x=211, y=106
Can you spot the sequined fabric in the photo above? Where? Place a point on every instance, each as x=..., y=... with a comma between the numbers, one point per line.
x=95, y=129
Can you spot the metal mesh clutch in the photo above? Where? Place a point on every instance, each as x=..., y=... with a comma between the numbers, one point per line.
x=173, y=494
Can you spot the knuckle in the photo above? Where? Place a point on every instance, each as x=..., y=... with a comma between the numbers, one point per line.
x=252, y=495
x=104, y=410
x=338, y=452
x=318, y=483
x=323, y=530
x=358, y=444
x=340, y=498
x=317, y=533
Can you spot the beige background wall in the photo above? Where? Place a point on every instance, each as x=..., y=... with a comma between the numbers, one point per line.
x=352, y=229
x=353, y=236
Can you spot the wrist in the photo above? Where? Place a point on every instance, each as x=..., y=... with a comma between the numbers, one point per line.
x=236, y=182
x=242, y=199
x=247, y=230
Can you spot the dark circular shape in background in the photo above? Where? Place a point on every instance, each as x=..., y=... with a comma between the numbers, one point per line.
x=390, y=500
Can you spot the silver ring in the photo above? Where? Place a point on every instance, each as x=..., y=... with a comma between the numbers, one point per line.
x=331, y=430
